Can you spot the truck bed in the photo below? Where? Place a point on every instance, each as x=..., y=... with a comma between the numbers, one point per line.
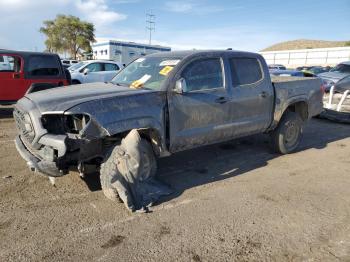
x=288, y=89
x=296, y=85
x=282, y=79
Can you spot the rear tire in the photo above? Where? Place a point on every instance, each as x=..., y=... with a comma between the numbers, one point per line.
x=76, y=82
x=287, y=136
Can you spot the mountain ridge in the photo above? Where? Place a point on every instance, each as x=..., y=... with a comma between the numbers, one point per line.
x=306, y=44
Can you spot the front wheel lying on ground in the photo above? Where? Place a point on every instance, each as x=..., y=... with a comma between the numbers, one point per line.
x=287, y=136
x=128, y=174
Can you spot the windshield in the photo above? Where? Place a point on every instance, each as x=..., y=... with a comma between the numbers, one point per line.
x=76, y=66
x=146, y=72
x=341, y=68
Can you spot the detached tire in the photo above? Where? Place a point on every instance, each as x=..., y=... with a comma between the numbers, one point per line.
x=109, y=171
x=287, y=136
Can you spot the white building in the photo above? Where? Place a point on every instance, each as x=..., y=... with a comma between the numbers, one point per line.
x=301, y=57
x=124, y=52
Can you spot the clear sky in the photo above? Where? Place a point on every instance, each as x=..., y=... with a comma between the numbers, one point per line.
x=241, y=24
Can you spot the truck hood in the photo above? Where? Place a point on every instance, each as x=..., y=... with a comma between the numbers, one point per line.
x=334, y=76
x=60, y=99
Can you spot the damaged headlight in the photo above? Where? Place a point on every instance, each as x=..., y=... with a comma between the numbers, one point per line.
x=61, y=124
x=76, y=123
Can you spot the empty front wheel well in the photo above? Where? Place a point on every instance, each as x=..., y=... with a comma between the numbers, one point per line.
x=153, y=137
x=149, y=134
x=301, y=108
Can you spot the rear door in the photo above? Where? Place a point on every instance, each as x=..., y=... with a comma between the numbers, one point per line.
x=12, y=82
x=252, y=95
x=200, y=115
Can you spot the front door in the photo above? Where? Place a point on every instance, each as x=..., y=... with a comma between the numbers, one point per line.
x=200, y=116
x=95, y=73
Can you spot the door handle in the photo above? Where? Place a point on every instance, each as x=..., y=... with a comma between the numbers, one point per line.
x=16, y=76
x=263, y=94
x=221, y=100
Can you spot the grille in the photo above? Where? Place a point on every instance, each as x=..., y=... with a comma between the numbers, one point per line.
x=24, y=125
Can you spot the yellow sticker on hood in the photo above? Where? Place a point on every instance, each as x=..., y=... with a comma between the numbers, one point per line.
x=166, y=70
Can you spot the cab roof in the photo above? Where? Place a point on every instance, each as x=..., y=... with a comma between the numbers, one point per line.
x=184, y=54
x=23, y=53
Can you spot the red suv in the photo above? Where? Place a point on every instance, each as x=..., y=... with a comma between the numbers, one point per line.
x=27, y=72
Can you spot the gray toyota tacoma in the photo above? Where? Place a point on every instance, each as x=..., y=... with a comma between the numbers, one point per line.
x=159, y=105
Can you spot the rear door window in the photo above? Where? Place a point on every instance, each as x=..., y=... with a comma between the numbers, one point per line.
x=204, y=74
x=43, y=66
x=245, y=71
x=9, y=63
x=95, y=67
x=111, y=67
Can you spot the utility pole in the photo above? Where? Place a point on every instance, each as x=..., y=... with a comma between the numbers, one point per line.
x=150, y=25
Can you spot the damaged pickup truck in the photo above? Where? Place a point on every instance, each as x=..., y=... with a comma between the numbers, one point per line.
x=159, y=105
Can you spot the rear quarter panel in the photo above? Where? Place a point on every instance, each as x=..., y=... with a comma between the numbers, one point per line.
x=290, y=90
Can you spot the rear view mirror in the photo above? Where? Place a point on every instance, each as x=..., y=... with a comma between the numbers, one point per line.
x=180, y=86
x=86, y=71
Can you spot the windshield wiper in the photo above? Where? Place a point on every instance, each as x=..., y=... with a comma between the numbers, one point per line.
x=126, y=85
x=119, y=84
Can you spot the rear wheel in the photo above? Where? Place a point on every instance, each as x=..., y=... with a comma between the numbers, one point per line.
x=287, y=136
x=75, y=82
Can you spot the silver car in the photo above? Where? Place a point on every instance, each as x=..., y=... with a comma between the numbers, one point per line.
x=93, y=71
x=334, y=75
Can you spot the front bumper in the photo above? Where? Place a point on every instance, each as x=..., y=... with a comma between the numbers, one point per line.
x=48, y=168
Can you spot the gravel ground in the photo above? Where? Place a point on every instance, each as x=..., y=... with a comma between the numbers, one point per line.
x=233, y=202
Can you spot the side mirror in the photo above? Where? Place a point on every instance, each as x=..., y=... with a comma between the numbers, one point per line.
x=86, y=71
x=180, y=86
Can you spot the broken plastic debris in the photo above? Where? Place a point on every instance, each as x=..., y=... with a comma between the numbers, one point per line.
x=52, y=180
x=140, y=82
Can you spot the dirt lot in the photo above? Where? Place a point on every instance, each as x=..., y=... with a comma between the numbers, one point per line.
x=233, y=202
